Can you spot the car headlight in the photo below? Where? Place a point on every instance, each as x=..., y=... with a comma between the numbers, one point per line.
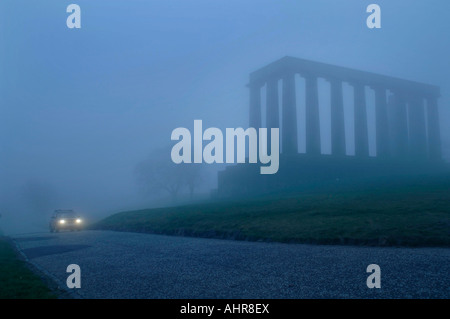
x=78, y=221
x=62, y=221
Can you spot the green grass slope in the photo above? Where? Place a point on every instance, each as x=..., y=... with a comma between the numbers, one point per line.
x=17, y=281
x=410, y=215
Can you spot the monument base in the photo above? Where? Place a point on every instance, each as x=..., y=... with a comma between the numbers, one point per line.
x=304, y=172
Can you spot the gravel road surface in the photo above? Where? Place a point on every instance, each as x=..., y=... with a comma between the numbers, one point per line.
x=132, y=265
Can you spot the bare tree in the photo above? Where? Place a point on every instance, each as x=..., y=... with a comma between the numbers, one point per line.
x=193, y=175
x=39, y=196
x=159, y=174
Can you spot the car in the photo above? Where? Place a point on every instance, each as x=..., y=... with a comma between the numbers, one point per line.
x=65, y=219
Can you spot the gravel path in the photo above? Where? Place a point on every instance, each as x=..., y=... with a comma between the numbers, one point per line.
x=131, y=265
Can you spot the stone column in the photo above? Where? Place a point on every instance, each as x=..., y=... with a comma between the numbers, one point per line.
x=289, y=113
x=434, y=133
x=255, y=106
x=337, y=119
x=313, y=145
x=417, y=131
x=399, y=125
x=361, y=131
x=272, y=108
x=382, y=128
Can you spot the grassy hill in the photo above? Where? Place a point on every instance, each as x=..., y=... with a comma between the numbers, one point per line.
x=410, y=213
x=17, y=281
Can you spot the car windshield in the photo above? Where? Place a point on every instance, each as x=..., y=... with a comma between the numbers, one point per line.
x=67, y=215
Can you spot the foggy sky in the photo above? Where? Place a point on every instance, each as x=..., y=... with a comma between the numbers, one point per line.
x=80, y=108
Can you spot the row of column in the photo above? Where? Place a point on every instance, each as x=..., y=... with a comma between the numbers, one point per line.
x=402, y=134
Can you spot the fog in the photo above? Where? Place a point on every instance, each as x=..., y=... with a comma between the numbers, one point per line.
x=81, y=108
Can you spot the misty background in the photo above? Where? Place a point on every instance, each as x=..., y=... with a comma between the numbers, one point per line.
x=81, y=108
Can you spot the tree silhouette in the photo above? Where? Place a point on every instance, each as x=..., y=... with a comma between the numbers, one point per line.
x=159, y=174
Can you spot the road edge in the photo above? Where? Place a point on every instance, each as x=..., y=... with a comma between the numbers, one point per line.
x=53, y=283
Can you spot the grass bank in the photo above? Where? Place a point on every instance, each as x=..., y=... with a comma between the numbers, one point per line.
x=17, y=281
x=410, y=215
